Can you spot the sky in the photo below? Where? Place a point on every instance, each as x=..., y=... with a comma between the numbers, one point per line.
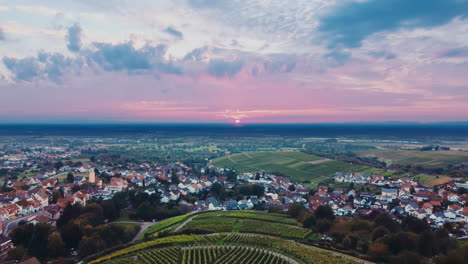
x=255, y=61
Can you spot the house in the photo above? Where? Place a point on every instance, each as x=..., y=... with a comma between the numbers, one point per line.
x=150, y=191
x=4, y=215
x=42, y=197
x=5, y=246
x=452, y=197
x=213, y=204
x=117, y=185
x=392, y=193
x=231, y=205
x=244, y=205
x=428, y=208
x=411, y=207
x=420, y=214
x=13, y=210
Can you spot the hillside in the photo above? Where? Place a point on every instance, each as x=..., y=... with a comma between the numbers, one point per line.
x=297, y=165
x=226, y=237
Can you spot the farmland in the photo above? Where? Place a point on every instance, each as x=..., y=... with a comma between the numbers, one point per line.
x=228, y=237
x=414, y=157
x=222, y=248
x=296, y=165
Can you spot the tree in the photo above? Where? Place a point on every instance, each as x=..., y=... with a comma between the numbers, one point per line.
x=146, y=212
x=58, y=165
x=385, y=220
x=309, y=221
x=427, y=244
x=175, y=178
x=55, y=245
x=379, y=251
x=296, y=210
x=71, y=234
x=379, y=232
x=324, y=212
x=405, y=257
x=323, y=225
x=70, y=178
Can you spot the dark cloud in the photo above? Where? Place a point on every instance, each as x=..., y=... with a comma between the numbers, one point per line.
x=44, y=66
x=352, y=22
x=74, y=38
x=2, y=34
x=221, y=68
x=455, y=53
x=174, y=32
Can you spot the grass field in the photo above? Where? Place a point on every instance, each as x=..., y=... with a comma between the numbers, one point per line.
x=414, y=157
x=293, y=164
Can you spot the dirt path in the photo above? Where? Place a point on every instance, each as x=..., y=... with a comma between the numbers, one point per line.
x=286, y=258
x=143, y=227
x=250, y=157
x=183, y=224
x=319, y=161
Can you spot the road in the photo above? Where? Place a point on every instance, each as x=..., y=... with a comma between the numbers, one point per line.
x=143, y=227
x=183, y=224
x=11, y=224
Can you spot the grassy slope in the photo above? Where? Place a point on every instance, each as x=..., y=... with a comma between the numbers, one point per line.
x=291, y=164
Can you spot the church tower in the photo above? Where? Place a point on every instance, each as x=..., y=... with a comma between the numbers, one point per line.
x=92, y=176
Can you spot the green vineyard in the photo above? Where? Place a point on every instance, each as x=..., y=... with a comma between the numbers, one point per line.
x=225, y=237
x=205, y=254
x=221, y=248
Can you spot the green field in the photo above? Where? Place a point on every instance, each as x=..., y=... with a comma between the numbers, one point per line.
x=414, y=157
x=296, y=165
x=237, y=237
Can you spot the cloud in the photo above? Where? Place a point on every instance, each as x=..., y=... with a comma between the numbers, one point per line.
x=44, y=65
x=383, y=54
x=174, y=32
x=74, y=38
x=206, y=3
x=455, y=53
x=221, y=68
x=337, y=58
x=280, y=65
x=352, y=22
x=2, y=35
x=23, y=69
x=125, y=57
x=196, y=54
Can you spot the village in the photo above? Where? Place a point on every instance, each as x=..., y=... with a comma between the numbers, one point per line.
x=43, y=197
